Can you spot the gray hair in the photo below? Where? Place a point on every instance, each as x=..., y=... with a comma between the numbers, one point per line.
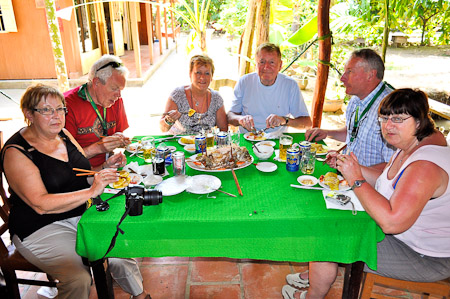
x=98, y=69
x=373, y=60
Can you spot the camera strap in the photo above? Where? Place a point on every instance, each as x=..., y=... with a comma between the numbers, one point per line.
x=118, y=229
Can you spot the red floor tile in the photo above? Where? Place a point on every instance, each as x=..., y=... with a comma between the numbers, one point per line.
x=165, y=282
x=215, y=291
x=263, y=280
x=214, y=270
x=165, y=260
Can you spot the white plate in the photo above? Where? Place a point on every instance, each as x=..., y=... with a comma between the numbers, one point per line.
x=249, y=137
x=171, y=148
x=190, y=148
x=131, y=148
x=303, y=179
x=173, y=185
x=266, y=166
x=341, y=187
x=324, y=147
x=182, y=143
x=267, y=142
x=204, y=184
x=152, y=180
x=136, y=179
x=202, y=168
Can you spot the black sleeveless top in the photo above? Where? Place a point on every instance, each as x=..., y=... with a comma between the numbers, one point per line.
x=57, y=176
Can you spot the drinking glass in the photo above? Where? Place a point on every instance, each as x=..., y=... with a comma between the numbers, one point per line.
x=148, y=147
x=308, y=161
x=285, y=143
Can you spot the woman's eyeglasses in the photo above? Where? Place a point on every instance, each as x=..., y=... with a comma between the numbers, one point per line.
x=394, y=119
x=51, y=111
x=114, y=64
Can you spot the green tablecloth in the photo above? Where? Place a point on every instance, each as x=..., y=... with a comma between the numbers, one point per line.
x=271, y=221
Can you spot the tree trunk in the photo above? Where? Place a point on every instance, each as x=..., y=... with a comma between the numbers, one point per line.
x=386, y=30
x=323, y=24
x=262, y=22
x=247, y=38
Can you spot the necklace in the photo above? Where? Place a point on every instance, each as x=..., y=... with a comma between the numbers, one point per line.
x=197, y=102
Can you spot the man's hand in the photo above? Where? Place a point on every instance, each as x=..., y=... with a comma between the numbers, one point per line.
x=246, y=122
x=315, y=134
x=116, y=161
x=273, y=121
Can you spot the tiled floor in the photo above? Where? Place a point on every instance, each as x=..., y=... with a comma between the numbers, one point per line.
x=216, y=278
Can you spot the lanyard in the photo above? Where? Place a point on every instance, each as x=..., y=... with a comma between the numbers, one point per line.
x=358, y=118
x=102, y=120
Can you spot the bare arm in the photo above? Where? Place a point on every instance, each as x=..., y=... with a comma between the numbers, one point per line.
x=171, y=114
x=236, y=119
x=420, y=181
x=316, y=134
x=106, y=145
x=221, y=119
x=25, y=179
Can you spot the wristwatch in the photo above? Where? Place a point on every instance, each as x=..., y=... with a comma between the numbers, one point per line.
x=358, y=183
x=287, y=120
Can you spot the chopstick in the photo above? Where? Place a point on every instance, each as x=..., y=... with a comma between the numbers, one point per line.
x=236, y=181
x=158, y=114
x=101, y=142
x=307, y=187
x=232, y=195
x=84, y=172
x=338, y=151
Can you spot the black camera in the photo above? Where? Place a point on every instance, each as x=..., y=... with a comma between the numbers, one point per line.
x=136, y=197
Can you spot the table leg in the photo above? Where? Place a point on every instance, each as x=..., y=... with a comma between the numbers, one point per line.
x=103, y=280
x=352, y=280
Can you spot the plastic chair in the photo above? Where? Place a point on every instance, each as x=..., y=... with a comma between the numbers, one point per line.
x=10, y=259
x=440, y=289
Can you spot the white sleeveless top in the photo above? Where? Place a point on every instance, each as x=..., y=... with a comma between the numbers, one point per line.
x=430, y=234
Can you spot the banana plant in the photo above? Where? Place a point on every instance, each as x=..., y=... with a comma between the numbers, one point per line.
x=197, y=18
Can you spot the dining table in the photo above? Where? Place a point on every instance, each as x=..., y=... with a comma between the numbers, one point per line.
x=270, y=221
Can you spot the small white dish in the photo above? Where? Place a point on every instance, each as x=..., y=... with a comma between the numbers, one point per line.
x=136, y=179
x=171, y=148
x=266, y=142
x=204, y=184
x=266, y=166
x=190, y=148
x=263, y=152
x=152, y=180
x=173, y=185
x=307, y=180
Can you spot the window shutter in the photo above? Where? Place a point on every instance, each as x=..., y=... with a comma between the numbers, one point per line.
x=7, y=19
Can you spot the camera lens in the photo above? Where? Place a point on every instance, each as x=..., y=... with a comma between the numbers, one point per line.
x=152, y=197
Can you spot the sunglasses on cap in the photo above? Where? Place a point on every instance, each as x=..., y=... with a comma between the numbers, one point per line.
x=114, y=64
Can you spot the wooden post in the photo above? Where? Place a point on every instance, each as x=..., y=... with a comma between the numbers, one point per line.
x=165, y=25
x=323, y=24
x=158, y=27
x=149, y=18
x=262, y=22
x=247, y=38
x=173, y=20
x=135, y=38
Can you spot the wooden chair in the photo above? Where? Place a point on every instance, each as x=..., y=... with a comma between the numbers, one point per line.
x=440, y=289
x=10, y=259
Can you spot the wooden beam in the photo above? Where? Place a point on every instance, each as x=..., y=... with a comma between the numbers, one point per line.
x=247, y=38
x=323, y=24
x=158, y=27
x=262, y=22
x=135, y=38
x=165, y=25
x=150, y=33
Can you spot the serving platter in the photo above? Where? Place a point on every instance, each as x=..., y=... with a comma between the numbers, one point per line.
x=194, y=164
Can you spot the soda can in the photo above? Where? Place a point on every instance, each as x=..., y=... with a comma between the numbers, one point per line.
x=200, y=144
x=222, y=139
x=179, y=165
x=165, y=153
x=292, y=159
x=304, y=145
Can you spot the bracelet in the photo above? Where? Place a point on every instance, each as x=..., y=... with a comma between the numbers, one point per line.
x=168, y=123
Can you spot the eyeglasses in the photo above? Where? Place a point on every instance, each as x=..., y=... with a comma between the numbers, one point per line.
x=114, y=64
x=51, y=111
x=394, y=119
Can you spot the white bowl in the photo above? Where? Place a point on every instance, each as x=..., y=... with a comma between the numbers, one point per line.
x=190, y=148
x=264, y=153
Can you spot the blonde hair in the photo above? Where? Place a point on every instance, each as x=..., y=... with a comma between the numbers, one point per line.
x=34, y=94
x=201, y=60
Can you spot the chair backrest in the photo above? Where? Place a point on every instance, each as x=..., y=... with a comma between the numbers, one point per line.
x=10, y=259
x=440, y=289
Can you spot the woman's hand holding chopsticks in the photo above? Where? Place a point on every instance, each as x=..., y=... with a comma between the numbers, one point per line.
x=102, y=179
